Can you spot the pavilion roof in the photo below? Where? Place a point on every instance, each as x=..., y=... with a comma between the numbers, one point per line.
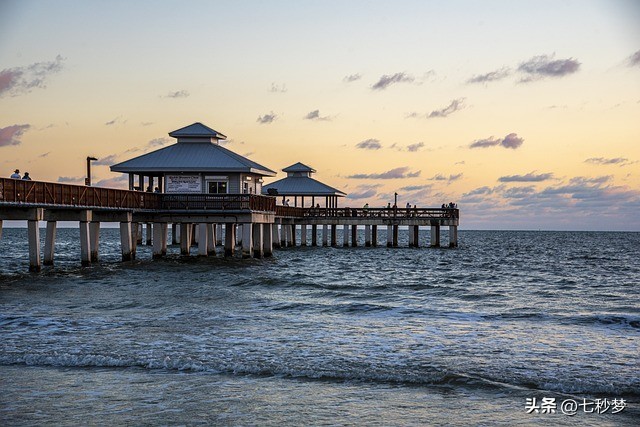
x=302, y=186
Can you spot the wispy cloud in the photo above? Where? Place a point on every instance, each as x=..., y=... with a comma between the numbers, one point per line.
x=620, y=161
x=634, y=60
x=530, y=177
x=116, y=120
x=45, y=154
x=106, y=160
x=365, y=191
x=415, y=147
x=491, y=76
x=396, y=173
x=21, y=80
x=542, y=66
x=278, y=89
x=510, y=141
x=158, y=142
x=177, y=94
x=387, y=80
x=11, y=135
x=70, y=179
x=450, y=178
x=455, y=105
x=121, y=181
x=267, y=118
x=352, y=78
x=369, y=144
x=315, y=115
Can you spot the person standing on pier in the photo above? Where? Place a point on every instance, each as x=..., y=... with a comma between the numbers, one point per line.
x=26, y=177
x=16, y=174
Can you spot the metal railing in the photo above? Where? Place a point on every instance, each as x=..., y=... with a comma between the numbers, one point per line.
x=15, y=191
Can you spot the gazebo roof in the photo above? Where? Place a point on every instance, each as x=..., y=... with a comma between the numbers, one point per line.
x=195, y=151
x=301, y=186
x=299, y=167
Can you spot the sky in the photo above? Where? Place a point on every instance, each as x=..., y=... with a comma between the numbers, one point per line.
x=524, y=113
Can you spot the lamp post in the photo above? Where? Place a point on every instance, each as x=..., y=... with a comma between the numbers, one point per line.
x=87, y=180
x=395, y=199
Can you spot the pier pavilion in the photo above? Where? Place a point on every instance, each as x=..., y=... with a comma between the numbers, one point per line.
x=208, y=191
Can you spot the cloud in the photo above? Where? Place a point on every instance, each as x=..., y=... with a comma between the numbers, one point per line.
x=620, y=161
x=369, y=144
x=121, y=181
x=530, y=177
x=542, y=66
x=21, y=80
x=634, y=60
x=115, y=121
x=450, y=178
x=70, y=179
x=363, y=192
x=385, y=81
x=278, y=89
x=11, y=134
x=178, y=94
x=510, y=141
x=416, y=187
x=267, y=118
x=352, y=78
x=158, y=142
x=490, y=76
x=455, y=105
x=415, y=147
x=401, y=172
x=106, y=160
x=315, y=115
x=45, y=154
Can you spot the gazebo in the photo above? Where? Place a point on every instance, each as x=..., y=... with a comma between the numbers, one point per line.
x=197, y=163
x=299, y=184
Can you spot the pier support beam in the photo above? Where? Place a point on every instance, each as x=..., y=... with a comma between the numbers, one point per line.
x=247, y=240
x=453, y=236
x=94, y=240
x=126, y=241
x=367, y=235
x=211, y=239
x=34, y=245
x=291, y=229
x=389, y=236
x=345, y=235
x=334, y=235
x=203, y=239
x=0, y=229
x=314, y=235
x=411, y=236
x=283, y=235
x=229, y=239
x=354, y=235
x=258, y=246
x=158, y=237
x=303, y=234
x=149, y=233
x=85, y=244
x=185, y=238
x=275, y=235
x=268, y=239
x=374, y=235
x=395, y=236
x=138, y=233
x=219, y=234
x=325, y=237
x=435, y=236
x=50, y=242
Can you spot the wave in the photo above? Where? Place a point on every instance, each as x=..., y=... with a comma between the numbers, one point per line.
x=424, y=375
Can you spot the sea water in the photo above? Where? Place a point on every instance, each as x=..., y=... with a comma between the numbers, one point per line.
x=510, y=328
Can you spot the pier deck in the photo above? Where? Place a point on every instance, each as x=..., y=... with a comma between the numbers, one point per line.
x=253, y=222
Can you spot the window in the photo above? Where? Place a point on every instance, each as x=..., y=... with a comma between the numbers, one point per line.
x=217, y=187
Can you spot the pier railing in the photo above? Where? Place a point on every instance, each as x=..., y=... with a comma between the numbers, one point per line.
x=289, y=211
x=252, y=202
x=15, y=191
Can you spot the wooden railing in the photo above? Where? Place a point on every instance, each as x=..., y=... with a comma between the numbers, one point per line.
x=252, y=202
x=368, y=212
x=53, y=193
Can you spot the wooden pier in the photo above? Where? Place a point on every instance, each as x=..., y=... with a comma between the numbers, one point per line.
x=251, y=221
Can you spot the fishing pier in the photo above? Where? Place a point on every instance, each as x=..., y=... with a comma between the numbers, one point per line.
x=210, y=198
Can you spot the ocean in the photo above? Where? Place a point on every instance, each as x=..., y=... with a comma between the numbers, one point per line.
x=510, y=328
